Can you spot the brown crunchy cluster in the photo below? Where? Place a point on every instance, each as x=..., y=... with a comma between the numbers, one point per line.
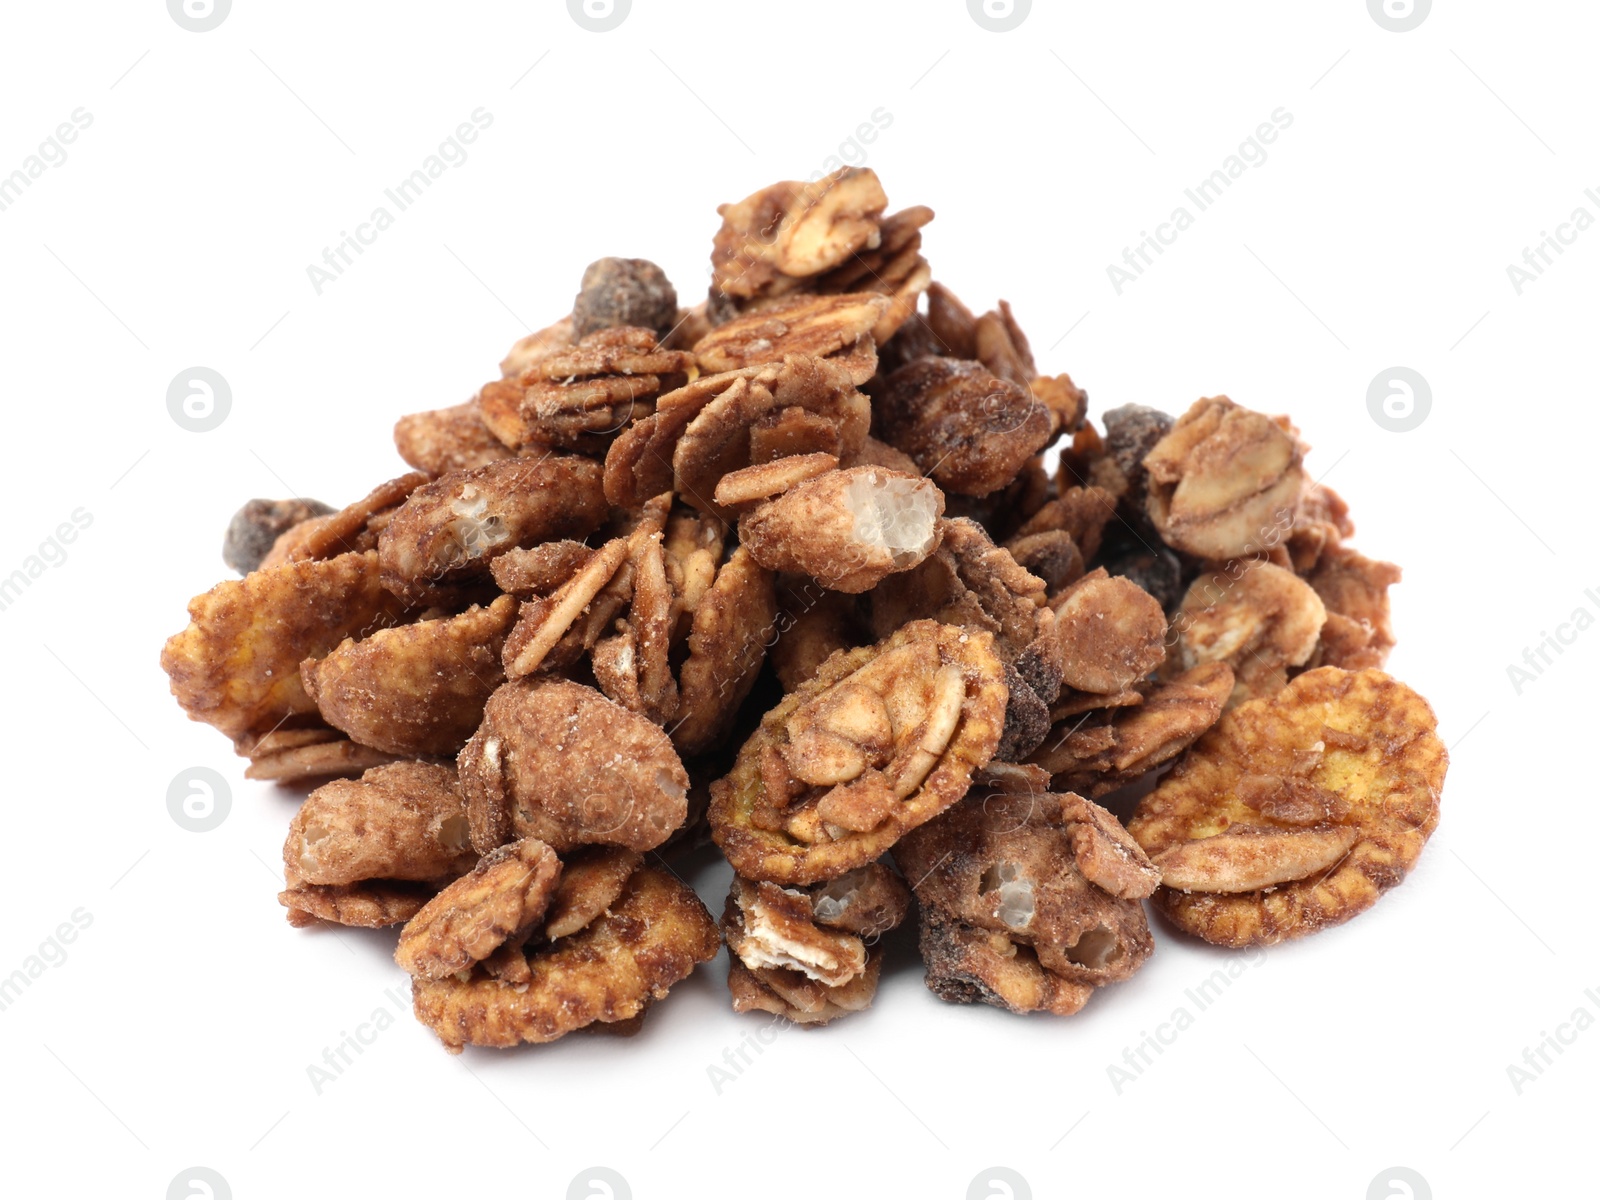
x=1297, y=811
x=1029, y=899
x=824, y=571
x=812, y=954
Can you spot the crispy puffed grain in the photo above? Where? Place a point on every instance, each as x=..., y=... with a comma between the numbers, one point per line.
x=591, y=880
x=446, y=535
x=1361, y=752
x=338, y=758
x=969, y=429
x=1112, y=633
x=495, y=904
x=771, y=241
x=257, y=526
x=403, y=821
x=1223, y=481
x=847, y=529
x=1356, y=589
x=609, y=971
x=373, y=904
x=237, y=665
x=413, y=689
x=916, y=715
x=532, y=571
x=447, y=440
x=1258, y=618
x=732, y=625
x=558, y=761
x=770, y=478
x=1094, y=759
x=815, y=326
x=1054, y=873
x=791, y=995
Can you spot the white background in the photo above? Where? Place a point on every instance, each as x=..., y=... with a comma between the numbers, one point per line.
x=179, y=1029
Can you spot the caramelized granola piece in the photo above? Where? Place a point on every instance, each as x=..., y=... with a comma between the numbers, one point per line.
x=1112, y=633
x=1258, y=618
x=916, y=714
x=403, y=821
x=768, y=926
x=722, y=437
x=816, y=326
x=971, y=966
x=1223, y=481
x=447, y=440
x=609, y=971
x=971, y=582
x=577, y=398
x=544, y=622
x=1056, y=874
x=1096, y=759
x=353, y=528
x=373, y=904
x=732, y=625
x=789, y=994
x=558, y=761
x=444, y=538
x=1362, y=751
x=332, y=758
x=1356, y=589
x=967, y=428
x=591, y=881
x=847, y=529
x=788, y=232
x=495, y=904
x=639, y=463
x=801, y=954
x=413, y=689
x=771, y=477
x=538, y=570
x=237, y=665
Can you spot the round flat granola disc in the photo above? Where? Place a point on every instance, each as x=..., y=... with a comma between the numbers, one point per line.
x=1296, y=812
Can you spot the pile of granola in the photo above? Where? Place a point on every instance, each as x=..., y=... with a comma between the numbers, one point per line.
x=825, y=571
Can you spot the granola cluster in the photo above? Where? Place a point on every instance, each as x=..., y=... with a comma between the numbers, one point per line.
x=823, y=571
